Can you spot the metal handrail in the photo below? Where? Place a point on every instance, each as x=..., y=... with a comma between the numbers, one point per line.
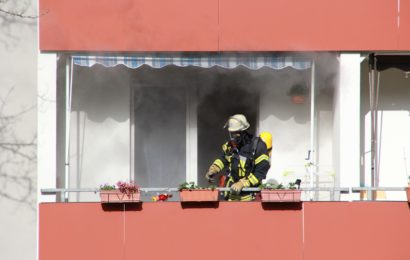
x=359, y=189
x=333, y=190
x=95, y=190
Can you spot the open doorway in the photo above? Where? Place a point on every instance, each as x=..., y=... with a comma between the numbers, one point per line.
x=213, y=111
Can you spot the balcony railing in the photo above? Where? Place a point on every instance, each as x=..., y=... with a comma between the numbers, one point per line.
x=310, y=194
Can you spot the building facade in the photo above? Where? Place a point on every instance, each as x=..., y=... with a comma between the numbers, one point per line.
x=140, y=90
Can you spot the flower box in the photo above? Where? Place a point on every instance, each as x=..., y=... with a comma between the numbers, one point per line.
x=198, y=195
x=280, y=195
x=298, y=99
x=116, y=196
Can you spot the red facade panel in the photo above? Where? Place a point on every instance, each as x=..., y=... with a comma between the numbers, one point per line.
x=233, y=230
x=314, y=25
x=79, y=230
x=224, y=25
x=403, y=24
x=128, y=25
x=358, y=230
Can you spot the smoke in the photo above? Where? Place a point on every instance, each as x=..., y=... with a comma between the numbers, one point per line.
x=159, y=100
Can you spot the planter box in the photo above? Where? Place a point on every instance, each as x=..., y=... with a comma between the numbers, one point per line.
x=298, y=99
x=408, y=194
x=198, y=195
x=115, y=196
x=281, y=195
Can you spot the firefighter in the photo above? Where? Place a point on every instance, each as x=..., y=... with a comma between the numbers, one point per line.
x=244, y=157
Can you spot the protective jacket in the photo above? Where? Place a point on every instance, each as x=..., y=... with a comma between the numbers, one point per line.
x=250, y=161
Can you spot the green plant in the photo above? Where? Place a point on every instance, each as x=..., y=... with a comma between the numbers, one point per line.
x=272, y=186
x=192, y=186
x=298, y=90
x=107, y=186
x=124, y=187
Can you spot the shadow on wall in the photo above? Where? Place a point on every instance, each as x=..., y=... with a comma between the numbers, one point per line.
x=16, y=16
x=17, y=157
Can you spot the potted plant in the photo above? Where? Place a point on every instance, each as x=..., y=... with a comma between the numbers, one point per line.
x=279, y=193
x=124, y=192
x=189, y=191
x=298, y=93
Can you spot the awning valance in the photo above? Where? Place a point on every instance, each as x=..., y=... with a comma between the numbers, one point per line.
x=224, y=60
x=382, y=62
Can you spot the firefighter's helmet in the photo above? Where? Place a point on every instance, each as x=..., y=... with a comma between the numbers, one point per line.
x=237, y=123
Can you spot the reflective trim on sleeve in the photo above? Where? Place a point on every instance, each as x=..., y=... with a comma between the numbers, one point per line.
x=253, y=179
x=261, y=158
x=219, y=163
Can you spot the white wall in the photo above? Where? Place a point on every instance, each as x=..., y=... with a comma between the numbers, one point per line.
x=99, y=129
x=347, y=108
x=18, y=70
x=290, y=125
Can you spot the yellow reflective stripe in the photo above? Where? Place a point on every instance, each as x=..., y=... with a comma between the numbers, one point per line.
x=247, y=198
x=230, y=180
x=242, y=168
x=225, y=147
x=252, y=178
x=240, y=198
x=219, y=163
x=261, y=158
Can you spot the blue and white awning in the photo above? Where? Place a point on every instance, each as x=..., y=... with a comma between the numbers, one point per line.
x=225, y=60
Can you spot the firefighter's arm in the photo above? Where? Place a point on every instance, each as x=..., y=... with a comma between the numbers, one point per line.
x=218, y=165
x=222, y=162
x=254, y=178
x=262, y=165
x=261, y=169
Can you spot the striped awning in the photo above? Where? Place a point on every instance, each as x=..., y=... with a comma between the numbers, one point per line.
x=208, y=60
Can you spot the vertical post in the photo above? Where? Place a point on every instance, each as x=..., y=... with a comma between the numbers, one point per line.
x=68, y=89
x=46, y=125
x=191, y=135
x=132, y=129
x=347, y=110
x=374, y=90
x=312, y=148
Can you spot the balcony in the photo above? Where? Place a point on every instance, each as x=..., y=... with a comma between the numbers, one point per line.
x=309, y=230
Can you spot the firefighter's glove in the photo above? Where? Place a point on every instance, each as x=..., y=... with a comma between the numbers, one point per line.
x=238, y=186
x=210, y=175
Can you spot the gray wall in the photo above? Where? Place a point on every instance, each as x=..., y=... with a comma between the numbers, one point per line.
x=18, y=70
